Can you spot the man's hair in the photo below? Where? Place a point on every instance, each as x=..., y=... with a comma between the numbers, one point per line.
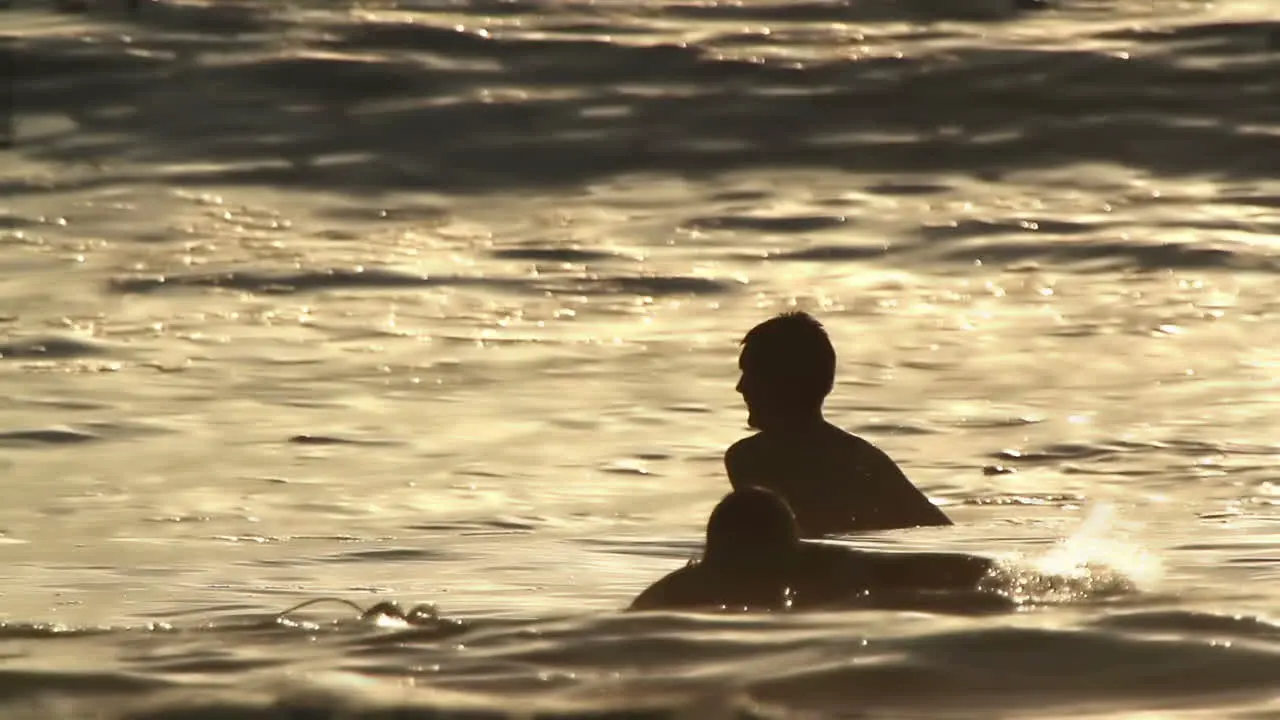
x=794, y=348
x=747, y=527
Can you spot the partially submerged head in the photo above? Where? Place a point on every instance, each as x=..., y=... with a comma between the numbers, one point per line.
x=751, y=528
x=788, y=368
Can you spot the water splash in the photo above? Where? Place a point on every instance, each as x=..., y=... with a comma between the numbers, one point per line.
x=1095, y=562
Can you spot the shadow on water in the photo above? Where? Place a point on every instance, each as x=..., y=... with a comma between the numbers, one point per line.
x=229, y=95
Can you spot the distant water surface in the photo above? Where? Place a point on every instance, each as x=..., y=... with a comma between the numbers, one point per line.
x=440, y=302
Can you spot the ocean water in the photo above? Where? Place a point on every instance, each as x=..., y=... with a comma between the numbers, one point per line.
x=439, y=302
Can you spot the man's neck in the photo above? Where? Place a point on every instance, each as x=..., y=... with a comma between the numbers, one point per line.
x=796, y=424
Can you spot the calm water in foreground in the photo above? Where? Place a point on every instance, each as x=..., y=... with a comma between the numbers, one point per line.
x=439, y=302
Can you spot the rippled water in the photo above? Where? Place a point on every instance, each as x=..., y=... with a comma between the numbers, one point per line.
x=439, y=302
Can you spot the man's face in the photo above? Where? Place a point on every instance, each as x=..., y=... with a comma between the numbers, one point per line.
x=756, y=391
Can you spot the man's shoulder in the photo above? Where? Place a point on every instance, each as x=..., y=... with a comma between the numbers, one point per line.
x=678, y=588
x=747, y=444
x=840, y=435
x=856, y=447
x=743, y=450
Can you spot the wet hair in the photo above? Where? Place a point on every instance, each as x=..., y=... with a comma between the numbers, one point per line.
x=794, y=351
x=749, y=528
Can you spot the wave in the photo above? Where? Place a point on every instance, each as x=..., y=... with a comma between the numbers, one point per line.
x=361, y=104
x=639, y=665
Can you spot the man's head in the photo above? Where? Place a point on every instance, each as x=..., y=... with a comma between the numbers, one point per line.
x=749, y=529
x=788, y=368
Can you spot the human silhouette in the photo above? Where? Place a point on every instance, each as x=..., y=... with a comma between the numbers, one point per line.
x=755, y=560
x=834, y=481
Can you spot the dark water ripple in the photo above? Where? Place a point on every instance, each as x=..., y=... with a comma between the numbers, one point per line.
x=374, y=279
x=32, y=683
x=50, y=347
x=553, y=254
x=317, y=439
x=1102, y=255
x=1208, y=38
x=767, y=224
x=334, y=279
x=996, y=228
x=51, y=436
x=827, y=253
x=1182, y=622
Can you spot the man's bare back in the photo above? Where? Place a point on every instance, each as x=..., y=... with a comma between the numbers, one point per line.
x=834, y=481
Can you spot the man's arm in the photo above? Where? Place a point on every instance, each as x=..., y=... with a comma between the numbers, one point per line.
x=899, y=503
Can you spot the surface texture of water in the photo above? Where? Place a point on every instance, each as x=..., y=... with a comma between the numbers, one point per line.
x=439, y=302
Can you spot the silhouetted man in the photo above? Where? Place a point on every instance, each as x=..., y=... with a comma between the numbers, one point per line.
x=835, y=482
x=755, y=560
